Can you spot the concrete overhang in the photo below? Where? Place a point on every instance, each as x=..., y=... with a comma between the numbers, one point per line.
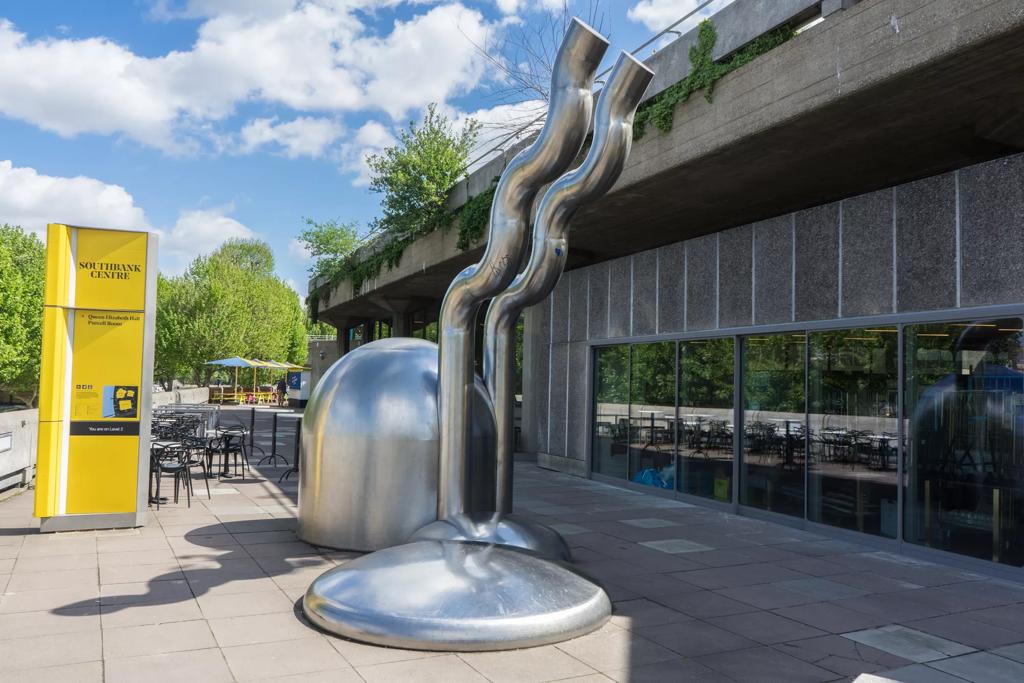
x=879, y=94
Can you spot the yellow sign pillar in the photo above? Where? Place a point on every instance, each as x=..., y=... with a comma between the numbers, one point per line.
x=96, y=378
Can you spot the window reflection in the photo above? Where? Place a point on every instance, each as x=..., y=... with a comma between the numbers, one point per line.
x=705, y=426
x=965, y=404
x=652, y=414
x=772, y=472
x=853, y=429
x=611, y=410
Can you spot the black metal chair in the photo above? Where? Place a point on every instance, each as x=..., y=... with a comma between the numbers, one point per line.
x=171, y=459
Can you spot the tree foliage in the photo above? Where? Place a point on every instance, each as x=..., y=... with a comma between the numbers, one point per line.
x=329, y=243
x=22, y=266
x=228, y=303
x=416, y=174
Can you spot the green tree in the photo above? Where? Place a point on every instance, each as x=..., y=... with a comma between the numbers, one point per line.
x=22, y=266
x=416, y=174
x=228, y=303
x=329, y=243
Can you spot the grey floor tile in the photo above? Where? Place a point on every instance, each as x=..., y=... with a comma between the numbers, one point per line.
x=962, y=629
x=765, y=627
x=1014, y=652
x=982, y=667
x=648, y=523
x=675, y=670
x=703, y=604
x=635, y=614
x=694, y=638
x=915, y=673
x=841, y=655
x=912, y=645
x=765, y=665
x=676, y=546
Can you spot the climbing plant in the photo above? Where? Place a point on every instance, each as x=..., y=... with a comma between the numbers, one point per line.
x=705, y=72
x=473, y=217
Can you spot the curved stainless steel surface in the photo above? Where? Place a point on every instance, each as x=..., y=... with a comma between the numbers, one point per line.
x=613, y=135
x=492, y=527
x=369, y=455
x=434, y=595
x=554, y=149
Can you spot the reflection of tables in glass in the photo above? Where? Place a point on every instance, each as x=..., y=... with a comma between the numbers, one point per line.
x=651, y=433
x=787, y=447
x=695, y=424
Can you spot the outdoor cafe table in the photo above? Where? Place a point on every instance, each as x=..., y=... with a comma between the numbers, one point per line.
x=697, y=422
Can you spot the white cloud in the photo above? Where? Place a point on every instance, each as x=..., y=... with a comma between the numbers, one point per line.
x=502, y=125
x=659, y=14
x=304, y=136
x=31, y=200
x=299, y=251
x=426, y=59
x=196, y=232
x=371, y=138
x=309, y=56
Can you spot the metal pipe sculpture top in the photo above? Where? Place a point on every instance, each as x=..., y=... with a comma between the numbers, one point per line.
x=613, y=136
x=550, y=154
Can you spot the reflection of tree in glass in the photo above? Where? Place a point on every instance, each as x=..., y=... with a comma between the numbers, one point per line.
x=705, y=373
x=774, y=373
x=853, y=372
x=653, y=374
x=611, y=377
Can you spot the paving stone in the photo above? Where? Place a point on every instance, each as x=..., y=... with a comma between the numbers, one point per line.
x=831, y=617
x=63, y=648
x=244, y=604
x=703, y=604
x=268, y=660
x=533, y=665
x=675, y=670
x=195, y=665
x=648, y=523
x=765, y=664
x=613, y=649
x=676, y=546
x=361, y=654
x=259, y=628
x=85, y=672
x=132, y=641
x=765, y=627
x=739, y=575
x=910, y=644
x=444, y=669
x=915, y=673
x=635, y=614
x=976, y=634
x=841, y=655
x=982, y=667
x=1014, y=652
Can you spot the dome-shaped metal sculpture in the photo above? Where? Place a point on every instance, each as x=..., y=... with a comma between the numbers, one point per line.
x=369, y=459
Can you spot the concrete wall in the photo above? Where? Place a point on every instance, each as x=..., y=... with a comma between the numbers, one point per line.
x=322, y=355
x=944, y=242
x=16, y=464
x=194, y=395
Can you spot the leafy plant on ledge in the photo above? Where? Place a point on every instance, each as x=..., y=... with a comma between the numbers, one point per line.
x=705, y=72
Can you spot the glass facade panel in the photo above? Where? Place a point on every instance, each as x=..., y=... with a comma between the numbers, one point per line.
x=853, y=434
x=704, y=425
x=772, y=472
x=611, y=410
x=652, y=404
x=964, y=404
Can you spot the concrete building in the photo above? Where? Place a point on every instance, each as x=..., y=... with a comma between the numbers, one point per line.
x=805, y=301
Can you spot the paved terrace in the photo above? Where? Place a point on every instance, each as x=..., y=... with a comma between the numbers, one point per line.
x=209, y=593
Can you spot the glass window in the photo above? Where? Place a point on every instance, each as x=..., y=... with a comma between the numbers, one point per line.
x=704, y=426
x=611, y=410
x=965, y=408
x=772, y=472
x=652, y=407
x=852, y=437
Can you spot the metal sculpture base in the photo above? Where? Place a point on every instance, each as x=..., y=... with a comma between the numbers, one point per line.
x=465, y=597
x=495, y=528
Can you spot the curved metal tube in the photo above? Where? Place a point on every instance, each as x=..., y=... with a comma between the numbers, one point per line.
x=554, y=149
x=613, y=135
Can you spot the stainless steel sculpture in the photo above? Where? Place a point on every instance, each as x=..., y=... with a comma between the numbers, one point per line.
x=369, y=455
x=550, y=154
x=613, y=135
x=465, y=594
x=442, y=595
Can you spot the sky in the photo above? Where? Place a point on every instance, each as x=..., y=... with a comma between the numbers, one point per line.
x=205, y=120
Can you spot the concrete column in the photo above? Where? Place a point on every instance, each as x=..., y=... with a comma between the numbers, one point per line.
x=535, y=379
